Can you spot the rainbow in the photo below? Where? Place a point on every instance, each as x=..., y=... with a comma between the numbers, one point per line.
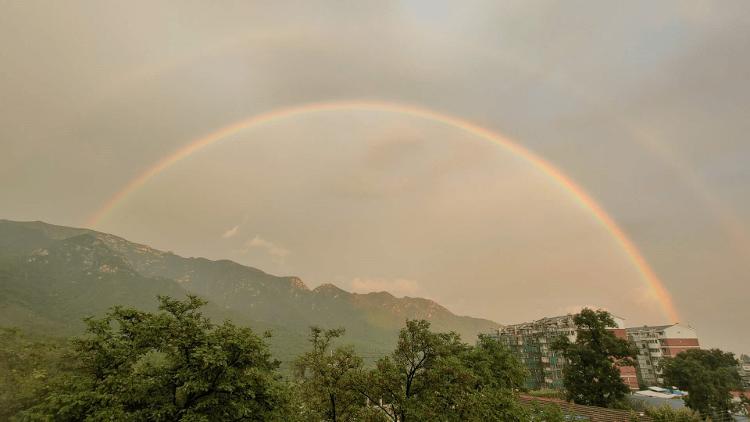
x=654, y=283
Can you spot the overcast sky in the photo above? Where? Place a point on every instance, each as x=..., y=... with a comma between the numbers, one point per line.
x=644, y=104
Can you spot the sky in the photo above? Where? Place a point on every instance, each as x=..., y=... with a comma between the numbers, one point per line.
x=642, y=104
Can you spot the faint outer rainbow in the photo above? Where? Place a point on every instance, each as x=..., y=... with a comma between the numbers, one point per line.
x=654, y=283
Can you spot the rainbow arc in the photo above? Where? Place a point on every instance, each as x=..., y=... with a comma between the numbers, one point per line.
x=655, y=285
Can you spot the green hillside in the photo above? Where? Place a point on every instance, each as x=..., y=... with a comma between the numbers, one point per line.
x=53, y=276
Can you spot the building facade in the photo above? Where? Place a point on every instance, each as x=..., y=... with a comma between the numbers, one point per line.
x=654, y=343
x=530, y=343
x=629, y=374
x=744, y=370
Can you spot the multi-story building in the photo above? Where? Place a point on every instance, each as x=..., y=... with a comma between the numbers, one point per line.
x=654, y=343
x=530, y=342
x=744, y=370
x=628, y=374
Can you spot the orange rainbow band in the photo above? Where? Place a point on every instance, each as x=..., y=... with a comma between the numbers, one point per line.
x=627, y=245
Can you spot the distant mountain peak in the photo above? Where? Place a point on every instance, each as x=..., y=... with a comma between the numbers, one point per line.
x=330, y=289
x=78, y=272
x=298, y=283
x=381, y=293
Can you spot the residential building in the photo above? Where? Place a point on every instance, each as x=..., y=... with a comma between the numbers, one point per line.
x=530, y=342
x=744, y=370
x=628, y=374
x=654, y=343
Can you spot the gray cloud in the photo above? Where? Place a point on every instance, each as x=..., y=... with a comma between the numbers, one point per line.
x=231, y=232
x=643, y=104
x=271, y=248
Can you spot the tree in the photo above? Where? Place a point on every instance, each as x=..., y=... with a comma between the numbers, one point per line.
x=495, y=365
x=27, y=366
x=493, y=378
x=172, y=365
x=398, y=385
x=545, y=413
x=665, y=413
x=591, y=375
x=708, y=376
x=325, y=377
x=435, y=376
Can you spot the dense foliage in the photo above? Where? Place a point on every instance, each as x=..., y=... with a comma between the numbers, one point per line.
x=27, y=367
x=708, y=375
x=668, y=414
x=434, y=376
x=325, y=379
x=174, y=364
x=592, y=375
x=169, y=365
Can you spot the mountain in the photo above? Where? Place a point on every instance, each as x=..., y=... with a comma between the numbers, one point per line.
x=53, y=276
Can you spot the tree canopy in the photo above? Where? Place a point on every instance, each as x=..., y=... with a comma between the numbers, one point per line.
x=326, y=376
x=435, y=376
x=176, y=365
x=27, y=366
x=708, y=376
x=591, y=375
x=666, y=413
x=170, y=365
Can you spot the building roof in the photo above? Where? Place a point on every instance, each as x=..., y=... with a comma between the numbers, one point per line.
x=579, y=412
x=657, y=327
x=546, y=321
x=650, y=327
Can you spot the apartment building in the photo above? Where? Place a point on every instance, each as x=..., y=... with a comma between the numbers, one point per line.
x=744, y=370
x=654, y=343
x=530, y=342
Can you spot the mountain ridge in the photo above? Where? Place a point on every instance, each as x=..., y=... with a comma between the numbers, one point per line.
x=54, y=262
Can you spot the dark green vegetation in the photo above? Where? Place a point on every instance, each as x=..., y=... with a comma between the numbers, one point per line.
x=27, y=365
x=325, y=377
x=171, y=365
x=592, y=376
x=434, y=376
x=139, y=359
x=176, y=365
x=668, y=414
x=709, y=376
x=52, y=276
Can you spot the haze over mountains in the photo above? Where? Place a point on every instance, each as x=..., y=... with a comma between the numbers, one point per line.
x=51, y=277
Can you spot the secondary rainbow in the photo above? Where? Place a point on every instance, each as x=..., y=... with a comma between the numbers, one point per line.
x=627, y=245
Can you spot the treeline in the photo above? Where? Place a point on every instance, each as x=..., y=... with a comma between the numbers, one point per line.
x=176, y=365
x=592, y=377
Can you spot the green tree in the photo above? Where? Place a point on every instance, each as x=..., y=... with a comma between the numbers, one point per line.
x=591, y=375
x=171, y=365
x=666, y=413
x=325, y=377
x=27, y=366
x=434, y=376
x=545, y=413
x=708, y=376
x=399, y=384
x=492, y=378
x=495, y=365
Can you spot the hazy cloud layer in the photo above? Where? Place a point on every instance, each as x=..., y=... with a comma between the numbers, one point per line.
x=642, y=103
x=398, y=287
x=231, y=232
x=271, y=248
